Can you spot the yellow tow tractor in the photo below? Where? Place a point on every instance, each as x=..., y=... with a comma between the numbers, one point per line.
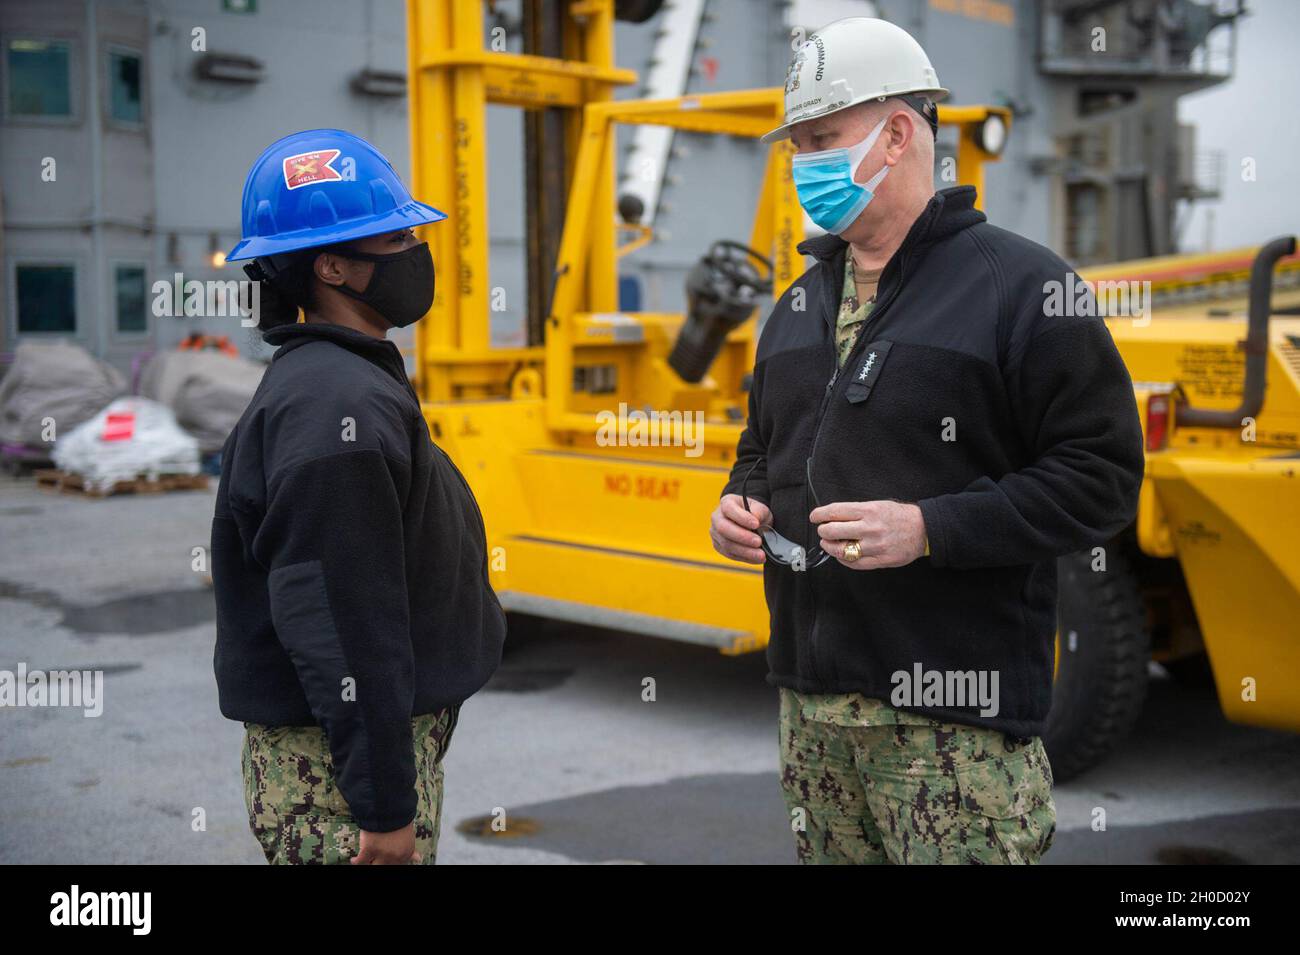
x=1210, y=572
x=599, y=448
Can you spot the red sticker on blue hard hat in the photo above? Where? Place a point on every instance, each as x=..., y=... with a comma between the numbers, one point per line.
x=306, y=168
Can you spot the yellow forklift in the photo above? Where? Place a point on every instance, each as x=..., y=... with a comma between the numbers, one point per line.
x=599, y=447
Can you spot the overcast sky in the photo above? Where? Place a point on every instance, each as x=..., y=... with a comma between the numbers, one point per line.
x=1255, y=115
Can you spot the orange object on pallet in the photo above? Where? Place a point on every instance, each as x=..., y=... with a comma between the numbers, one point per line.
x=197, y=341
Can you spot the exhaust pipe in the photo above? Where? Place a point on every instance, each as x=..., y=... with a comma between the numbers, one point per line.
x=1256, y=344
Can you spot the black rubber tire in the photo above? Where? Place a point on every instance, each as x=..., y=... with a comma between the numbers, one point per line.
x=1101, y=684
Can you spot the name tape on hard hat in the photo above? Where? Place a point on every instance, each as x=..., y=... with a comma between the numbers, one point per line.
x=307, y=168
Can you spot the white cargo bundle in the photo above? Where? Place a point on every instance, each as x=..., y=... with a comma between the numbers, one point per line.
x=130, y=438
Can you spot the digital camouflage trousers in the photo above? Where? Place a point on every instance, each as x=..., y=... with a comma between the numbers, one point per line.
x=294, y=805
x=915, y=792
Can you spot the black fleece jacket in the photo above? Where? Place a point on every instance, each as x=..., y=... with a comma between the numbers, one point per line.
x=1015, y=432
x=349, y=563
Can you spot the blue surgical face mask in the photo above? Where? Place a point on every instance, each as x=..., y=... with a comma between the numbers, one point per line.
x=824, y=181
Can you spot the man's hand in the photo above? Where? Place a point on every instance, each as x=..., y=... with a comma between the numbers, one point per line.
x=388, y=848
x=735, y=530
x=891, y=534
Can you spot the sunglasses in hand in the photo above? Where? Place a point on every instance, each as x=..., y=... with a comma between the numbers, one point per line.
x=780, y=548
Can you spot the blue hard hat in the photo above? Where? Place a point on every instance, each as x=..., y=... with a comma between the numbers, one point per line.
x=320, y=187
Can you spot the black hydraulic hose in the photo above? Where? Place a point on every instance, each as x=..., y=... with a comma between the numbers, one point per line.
x=1256, y=345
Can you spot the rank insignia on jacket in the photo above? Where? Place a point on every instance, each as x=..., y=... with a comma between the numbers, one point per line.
x=867, y=372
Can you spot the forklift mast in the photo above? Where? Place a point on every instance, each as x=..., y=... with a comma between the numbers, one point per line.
x=457, y=68
x=577, y=346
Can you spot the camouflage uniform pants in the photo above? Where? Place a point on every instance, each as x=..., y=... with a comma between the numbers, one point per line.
x=928, y=792
x=294, y=805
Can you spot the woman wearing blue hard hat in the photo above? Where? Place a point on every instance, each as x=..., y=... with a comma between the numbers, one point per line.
x=354, y=613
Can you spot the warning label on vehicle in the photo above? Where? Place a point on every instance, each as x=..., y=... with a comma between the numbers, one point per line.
x=1211, y=371
x=657, y=489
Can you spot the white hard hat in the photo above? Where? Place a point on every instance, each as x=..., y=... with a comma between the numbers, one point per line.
x=851, y=61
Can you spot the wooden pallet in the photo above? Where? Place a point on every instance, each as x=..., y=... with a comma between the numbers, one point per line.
x=58, y=481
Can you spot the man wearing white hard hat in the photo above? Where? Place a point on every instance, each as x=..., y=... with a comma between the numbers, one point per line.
x=925, y=438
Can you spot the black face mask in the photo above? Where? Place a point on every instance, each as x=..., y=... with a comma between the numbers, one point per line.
x=401, y=286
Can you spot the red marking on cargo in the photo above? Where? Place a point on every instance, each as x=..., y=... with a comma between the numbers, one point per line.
x=119, y=426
